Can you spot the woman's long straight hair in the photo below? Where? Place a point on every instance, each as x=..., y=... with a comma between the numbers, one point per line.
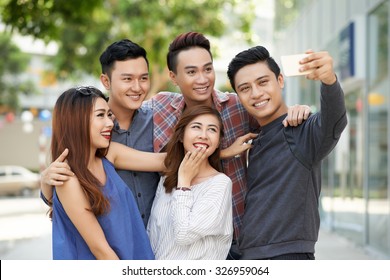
x=71, y=129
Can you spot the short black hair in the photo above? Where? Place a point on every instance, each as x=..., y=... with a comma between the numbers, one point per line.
x=251, y=56
x=120, y=51
x=184, y=42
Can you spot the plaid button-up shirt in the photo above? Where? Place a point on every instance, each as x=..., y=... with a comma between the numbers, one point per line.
x=167, y=108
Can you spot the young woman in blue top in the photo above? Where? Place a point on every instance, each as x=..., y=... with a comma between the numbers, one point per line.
x=94, y=213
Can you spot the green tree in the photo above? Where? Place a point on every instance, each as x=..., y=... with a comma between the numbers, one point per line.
x=13, y=63
x=286, y=11
x=83, y=29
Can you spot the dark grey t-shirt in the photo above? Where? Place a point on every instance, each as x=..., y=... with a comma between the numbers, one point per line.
x=284, y=181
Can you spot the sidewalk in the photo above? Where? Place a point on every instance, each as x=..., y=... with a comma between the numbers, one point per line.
x=332, y=246
x=26, y=234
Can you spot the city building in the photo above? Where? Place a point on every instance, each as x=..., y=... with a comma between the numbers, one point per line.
x=25, y=137
x=355, y=199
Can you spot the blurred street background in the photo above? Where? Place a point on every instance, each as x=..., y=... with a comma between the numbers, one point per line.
x=26, y=235
x=25, y=229
x=48, y=46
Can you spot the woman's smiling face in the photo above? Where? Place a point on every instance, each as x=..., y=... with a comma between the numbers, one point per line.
x=202, y=131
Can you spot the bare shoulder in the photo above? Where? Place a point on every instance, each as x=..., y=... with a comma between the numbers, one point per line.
x=70, y=185
x=113, y=151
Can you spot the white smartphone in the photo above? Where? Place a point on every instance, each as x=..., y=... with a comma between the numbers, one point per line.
x=290, y=65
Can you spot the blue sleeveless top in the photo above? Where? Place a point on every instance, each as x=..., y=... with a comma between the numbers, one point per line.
x=122, y=225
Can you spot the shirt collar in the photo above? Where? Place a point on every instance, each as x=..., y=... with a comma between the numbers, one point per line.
x=178, y=103
x=274, y=123
x=116, y=124
x=217, y=97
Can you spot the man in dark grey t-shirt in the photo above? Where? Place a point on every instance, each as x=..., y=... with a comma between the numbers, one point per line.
x=281, y=218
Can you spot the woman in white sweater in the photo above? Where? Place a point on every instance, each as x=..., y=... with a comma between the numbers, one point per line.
x=191, y=217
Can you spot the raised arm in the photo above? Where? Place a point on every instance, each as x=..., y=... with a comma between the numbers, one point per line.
x=75, y=203
x=331, y=119
x=322, y=63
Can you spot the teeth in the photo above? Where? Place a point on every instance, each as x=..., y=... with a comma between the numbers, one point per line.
x=201, y=145
x=201, y=89
x=135, y=97
x=261, y=103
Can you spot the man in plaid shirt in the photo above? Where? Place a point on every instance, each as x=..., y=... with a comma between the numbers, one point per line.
x=190, y=65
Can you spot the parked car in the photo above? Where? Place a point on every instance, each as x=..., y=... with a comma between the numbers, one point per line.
x=17, y=180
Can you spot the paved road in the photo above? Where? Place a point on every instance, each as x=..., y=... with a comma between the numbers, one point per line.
x=331, y=246
x=25, y=229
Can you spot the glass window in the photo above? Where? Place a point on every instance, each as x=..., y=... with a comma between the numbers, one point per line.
x=378, y=106
x=342, y=200
x=342, y=195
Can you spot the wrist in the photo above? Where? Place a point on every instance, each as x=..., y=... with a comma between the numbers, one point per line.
x=183, y=188
x=44, y=199
x=330, y=81
x=226, y=154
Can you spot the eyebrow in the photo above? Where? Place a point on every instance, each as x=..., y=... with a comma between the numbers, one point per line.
x=130, y=75
x=102, y=110
x=259, y=78
x=213, y=125
x=191, y=66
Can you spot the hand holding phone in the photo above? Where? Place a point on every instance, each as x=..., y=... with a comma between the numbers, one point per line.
x=291, y=65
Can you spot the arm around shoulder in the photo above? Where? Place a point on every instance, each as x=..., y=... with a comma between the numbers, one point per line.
x=124, y=157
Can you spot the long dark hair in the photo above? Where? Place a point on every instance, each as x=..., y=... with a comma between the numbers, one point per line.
x=71, y=129
x=175, y=148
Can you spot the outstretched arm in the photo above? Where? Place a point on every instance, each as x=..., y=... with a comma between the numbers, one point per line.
x=332, y=118
x=322, y=65
x=124, y=157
